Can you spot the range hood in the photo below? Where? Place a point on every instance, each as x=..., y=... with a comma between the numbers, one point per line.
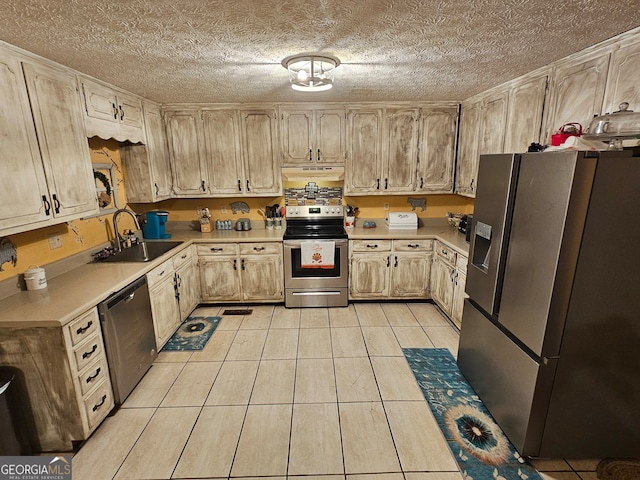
x=314, y=173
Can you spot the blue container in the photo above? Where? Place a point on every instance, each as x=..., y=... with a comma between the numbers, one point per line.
x=154, y=226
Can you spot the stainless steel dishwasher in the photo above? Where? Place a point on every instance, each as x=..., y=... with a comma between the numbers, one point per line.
x=127, y=328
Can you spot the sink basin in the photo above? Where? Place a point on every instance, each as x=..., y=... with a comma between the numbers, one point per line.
x=143, y=252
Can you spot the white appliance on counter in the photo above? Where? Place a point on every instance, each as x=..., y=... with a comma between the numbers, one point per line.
x=402, y=220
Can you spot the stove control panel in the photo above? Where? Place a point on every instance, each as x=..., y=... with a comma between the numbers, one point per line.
x=314, y=211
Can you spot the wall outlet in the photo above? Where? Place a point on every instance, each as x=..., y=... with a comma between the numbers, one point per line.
x=55, y=241
x=223, y=209
x=386, y=205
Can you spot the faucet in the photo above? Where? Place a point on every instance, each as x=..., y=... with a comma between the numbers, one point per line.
x=119, y=239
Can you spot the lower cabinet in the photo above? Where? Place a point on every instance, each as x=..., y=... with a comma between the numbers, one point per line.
x=449, y=273
x=390, y=268
x=174, y=293
x=235, y=272
x=65, y=374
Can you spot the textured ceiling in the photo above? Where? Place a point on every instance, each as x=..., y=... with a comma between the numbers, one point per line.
x=230, y=50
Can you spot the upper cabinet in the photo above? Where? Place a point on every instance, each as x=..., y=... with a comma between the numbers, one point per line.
x=400, y=149
x=624, y=78
x=493, y=122
x=526, y=108
x=110, y=113
x=577, y=91
x=436, y=157
x=312, y=136
x=147, y=176
x=223, y=152
x=467, y=165
x=186, y=153
x=48, y=177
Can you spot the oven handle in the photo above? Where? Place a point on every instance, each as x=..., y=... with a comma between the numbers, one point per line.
x=297, y=243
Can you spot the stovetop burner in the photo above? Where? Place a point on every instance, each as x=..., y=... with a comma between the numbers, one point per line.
x=314, y=222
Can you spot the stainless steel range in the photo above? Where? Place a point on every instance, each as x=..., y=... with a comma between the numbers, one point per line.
x=315, y=257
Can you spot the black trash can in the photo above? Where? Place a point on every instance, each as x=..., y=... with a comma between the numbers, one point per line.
x=14, y=439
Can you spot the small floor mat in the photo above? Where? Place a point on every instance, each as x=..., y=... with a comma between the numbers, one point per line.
x=246, y=311
x=478, y=444
x=193, y=334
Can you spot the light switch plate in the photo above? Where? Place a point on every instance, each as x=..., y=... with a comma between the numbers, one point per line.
x=386, y=205
x=55, y=241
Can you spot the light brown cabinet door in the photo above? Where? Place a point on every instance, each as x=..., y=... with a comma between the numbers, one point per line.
x=624, y=78
x=410, y=275
x=442, y=285
x=259, y=144
x=526, y=105
x=261, y=277
x=219, y=279
x=493, y=124
x=147, y=167
x=364, y=160
x=436, y=159
x=57, y=113
x=467, y=166
x=400, y=155
x=578, y=92
x=188, y=289
x=222, y=152
x=329, y=136
x=165, y=311
x=185, y=151
x=297, y=137
x=22, y=184
x=369, y=276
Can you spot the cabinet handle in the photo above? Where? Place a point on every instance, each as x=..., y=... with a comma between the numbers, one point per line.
x=310, y=155
x=421, y=182
x=258, y=249
x=161, y=273
x=248, y=187
x=86, y=355
x=215, y=249
x=412, y=245
x=242, y=264
x=377, y=184
x=239, y=185
x=235, y=264
x=84, y=329
x=91, y=378
x=444, y=252
x=396, y=262
x=98, y=405
x=157, y=188
x=56, y=203
x=202, y=185
x=115, y=111
x=388, y=260
x=372, y=246
x=121, y=112
x=386, y=183
x=47, y=205
x=318, y=154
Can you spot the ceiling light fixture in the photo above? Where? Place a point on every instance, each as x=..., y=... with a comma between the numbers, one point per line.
x=311, y=73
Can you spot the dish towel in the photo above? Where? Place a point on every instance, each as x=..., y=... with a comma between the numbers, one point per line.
x=316, y=254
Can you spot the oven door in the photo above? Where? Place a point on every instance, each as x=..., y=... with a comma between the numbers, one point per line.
x=315, y=287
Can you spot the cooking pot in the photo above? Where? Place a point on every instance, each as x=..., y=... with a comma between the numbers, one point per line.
x=616, y=126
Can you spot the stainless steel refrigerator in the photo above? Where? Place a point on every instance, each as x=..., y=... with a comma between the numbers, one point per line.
x=550, y=336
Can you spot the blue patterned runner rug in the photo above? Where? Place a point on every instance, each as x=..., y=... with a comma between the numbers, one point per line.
x=193, y=334
x=479, y=446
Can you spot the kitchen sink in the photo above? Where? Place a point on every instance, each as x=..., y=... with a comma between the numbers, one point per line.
x=143, y=252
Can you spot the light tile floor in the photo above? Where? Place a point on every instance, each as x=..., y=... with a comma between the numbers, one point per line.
x=307, y=394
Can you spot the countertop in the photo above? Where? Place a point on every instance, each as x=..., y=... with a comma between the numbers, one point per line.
x=72, y=293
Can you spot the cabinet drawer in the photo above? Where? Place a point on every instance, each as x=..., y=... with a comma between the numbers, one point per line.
x=370, y=245
x=446, y=253
x=182, y=258
x=217, y=249
x=93, y=375
x=413, y=245
x=260, y=248
x=83, y=326
x=88, y=351
x=98, y=404
x=462, y=262
x=159, y=273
